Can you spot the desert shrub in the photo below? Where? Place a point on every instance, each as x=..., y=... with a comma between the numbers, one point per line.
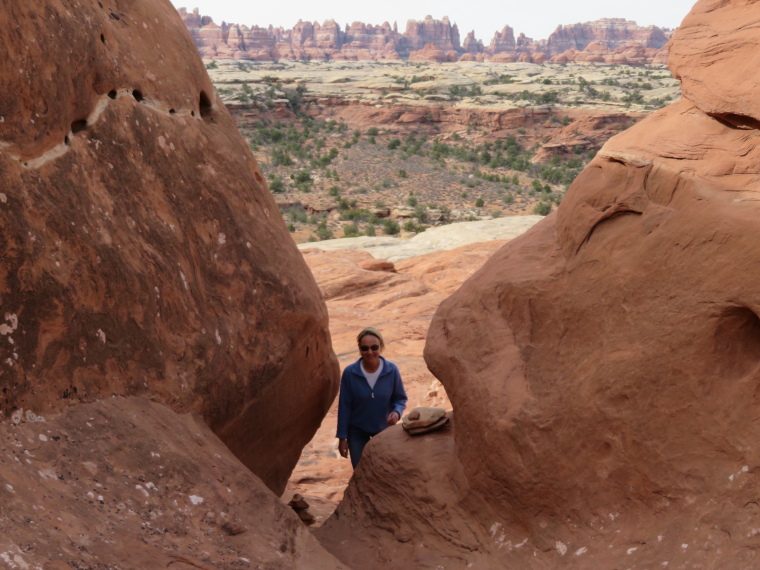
x=351, y=230
x=391, y=227
x=421, y=213
x=323, y=232
x=276, y=185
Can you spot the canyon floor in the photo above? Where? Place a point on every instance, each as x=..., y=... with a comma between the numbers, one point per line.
x=370, y=148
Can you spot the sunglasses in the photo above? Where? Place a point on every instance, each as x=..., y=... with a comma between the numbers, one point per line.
x=365, y=348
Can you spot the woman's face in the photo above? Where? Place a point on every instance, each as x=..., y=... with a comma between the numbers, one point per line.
x=371, y=356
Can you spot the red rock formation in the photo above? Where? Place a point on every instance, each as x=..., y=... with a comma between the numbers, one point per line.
x=365, y=42
x=360, y=41
x=505, y=58
x=431, y=53
x=133, y=262
x=471, y=44
x=503, y=41
x=611, y=32
x=608, y=40
x=440, y=33
x=604, y=366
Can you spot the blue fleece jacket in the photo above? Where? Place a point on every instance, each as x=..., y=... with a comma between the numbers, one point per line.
x=358, y=408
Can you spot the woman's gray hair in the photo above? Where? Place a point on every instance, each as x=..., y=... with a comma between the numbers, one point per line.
x=370, y=331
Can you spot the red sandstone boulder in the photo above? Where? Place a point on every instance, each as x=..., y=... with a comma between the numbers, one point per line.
x=142, y=254
x=703, y=55
x=539, y=57
x=503, y=58
x=604, y=366
x=430, y=53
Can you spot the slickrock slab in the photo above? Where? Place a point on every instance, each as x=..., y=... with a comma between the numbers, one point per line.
x=440, y=238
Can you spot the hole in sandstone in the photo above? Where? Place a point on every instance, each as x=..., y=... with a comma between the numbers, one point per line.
x=307, y=351
x=205, y=105
x=736, y=343
x=172, y=111
x=192, y=113
x=137, y=94
x=734, y=121
x=112, y=93
x=78, y=126
x=102, y=38
x=66, y=140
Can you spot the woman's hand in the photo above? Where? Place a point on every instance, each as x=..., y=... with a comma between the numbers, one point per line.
x=343, y=447
x=393, y=418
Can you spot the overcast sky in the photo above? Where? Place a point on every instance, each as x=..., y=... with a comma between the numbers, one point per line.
x=536, y=18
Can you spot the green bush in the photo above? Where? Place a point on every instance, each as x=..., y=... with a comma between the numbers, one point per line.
x=391, y=227
x=276, y=185
x=323, y=232
x=370, y=231
x=351, y=230
x=542, y=208
x=479, y=203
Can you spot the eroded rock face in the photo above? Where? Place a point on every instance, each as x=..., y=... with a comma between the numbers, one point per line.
x=604, y=367
x=141, y=253
x=363, y=42
x=611, y=32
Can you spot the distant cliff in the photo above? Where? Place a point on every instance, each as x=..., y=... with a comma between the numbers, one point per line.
x=608, y=40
